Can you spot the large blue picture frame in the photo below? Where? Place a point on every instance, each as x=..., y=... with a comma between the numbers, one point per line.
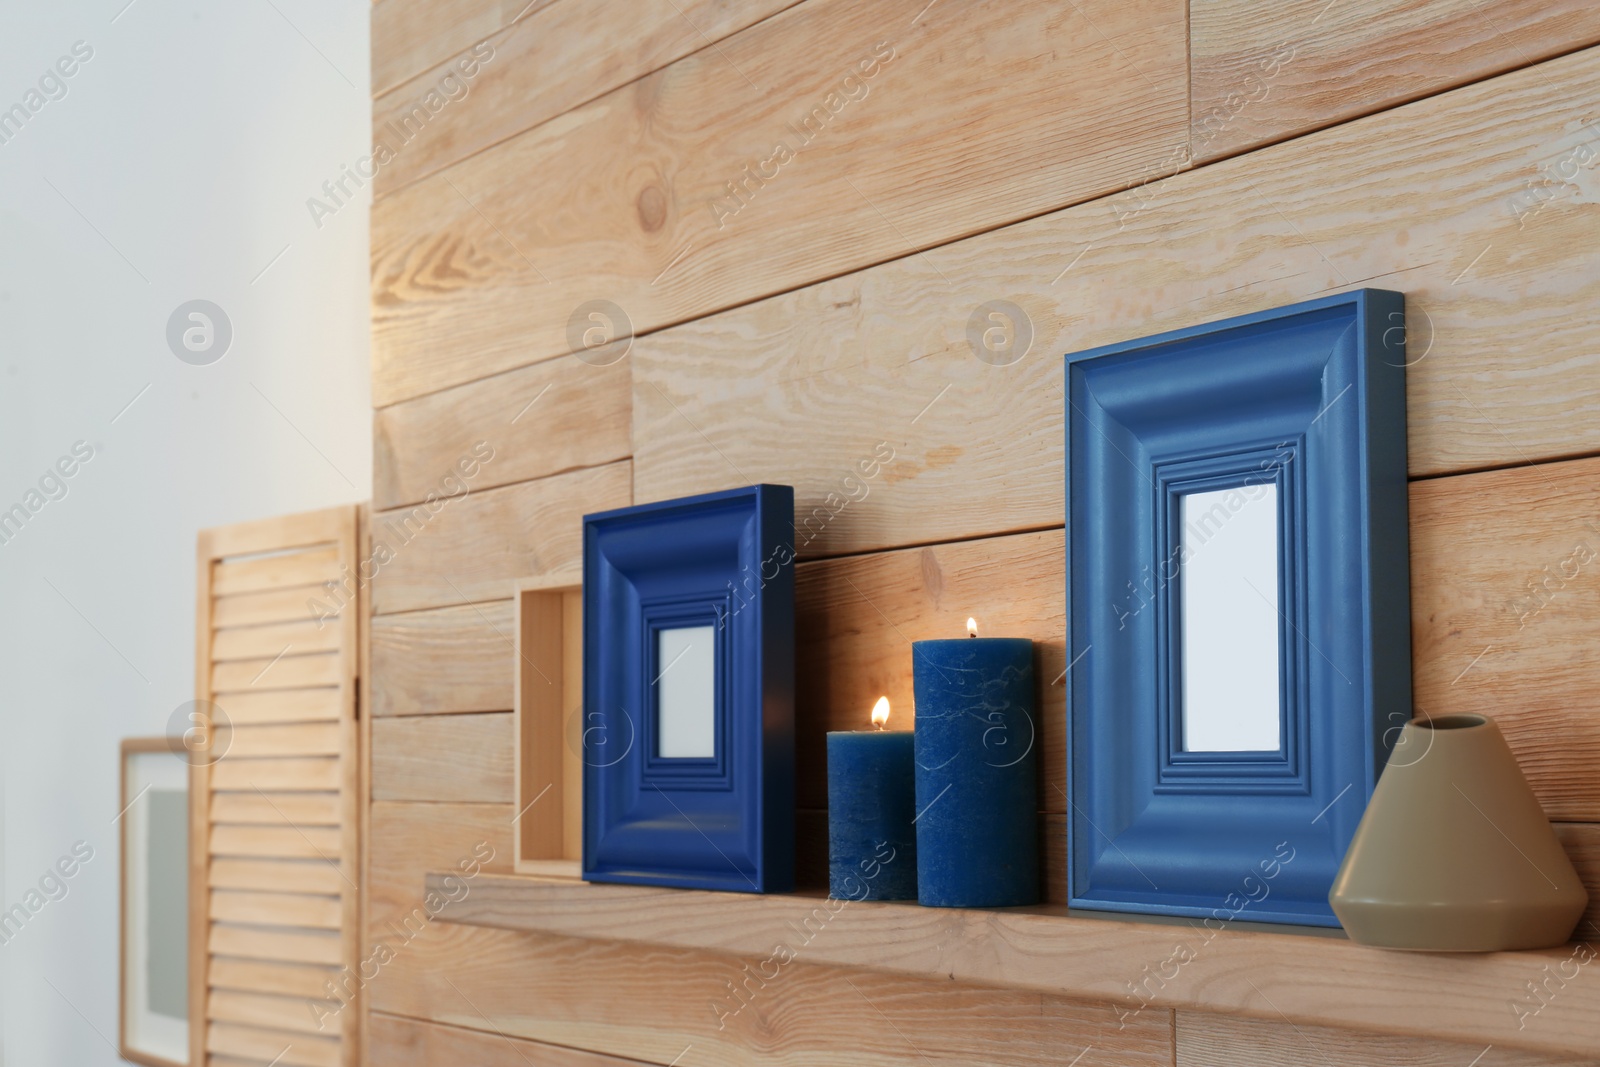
x=1310, y=399
x=721, y=563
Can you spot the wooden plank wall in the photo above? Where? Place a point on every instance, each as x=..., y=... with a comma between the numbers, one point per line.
x=794, y=211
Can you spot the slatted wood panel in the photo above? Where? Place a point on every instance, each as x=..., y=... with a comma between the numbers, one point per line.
x=550, y=60
x=479, y=268
x=801, y=389
x=1219, y=1041
x=1261, y=72
x=275, y=832
x=643, y=1004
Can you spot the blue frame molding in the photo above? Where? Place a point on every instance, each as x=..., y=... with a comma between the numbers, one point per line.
x=725, y=822
x=1311, y=399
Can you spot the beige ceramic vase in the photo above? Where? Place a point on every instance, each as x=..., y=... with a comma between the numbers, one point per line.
x=1454, y=853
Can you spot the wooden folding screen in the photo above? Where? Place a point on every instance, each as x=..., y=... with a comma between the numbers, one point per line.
x=274, y=787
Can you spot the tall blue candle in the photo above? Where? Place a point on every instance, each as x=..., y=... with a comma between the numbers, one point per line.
x=977, y=832
x=872, y=844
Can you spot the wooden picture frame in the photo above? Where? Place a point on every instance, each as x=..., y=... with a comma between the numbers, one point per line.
x=146, y=1036
x=708, y=805
x=547, y=835
x=1302, y=407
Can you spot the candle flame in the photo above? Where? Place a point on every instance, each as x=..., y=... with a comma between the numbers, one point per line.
x=880, y=712
x=972, y=627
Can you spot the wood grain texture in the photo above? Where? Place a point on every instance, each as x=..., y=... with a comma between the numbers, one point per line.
x=856, y=618
x=400, y=1042
x=477, y=547
x=264, y=1045
x=285, y=979
x=281, y=876
x=269, y=606
x=276, y=909
x=627, y=1001
x=407, y=840
x=550, y=61
x=463, y=758
x=456, y=659
x=276, y=842
x=281, y=739
x=282, y=705
x=532, y=422
x=250, y=642
x=1505, y=602
x=479, y=268
x=265, y=1009
x=802, y=388
x=409, y=36
x=270, y=775
x=1323, y=980
x=280, y=809
x=277, y=572
x=1582, y=842
x=1262, y=72
x=285, y=671
x=282, y=944
x=1220, y=1041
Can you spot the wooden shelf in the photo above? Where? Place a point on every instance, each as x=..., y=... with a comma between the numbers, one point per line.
x=1270, y=975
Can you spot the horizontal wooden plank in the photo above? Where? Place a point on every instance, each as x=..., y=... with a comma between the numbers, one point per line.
x=443, y=757
x=1582, y=842
x=444, y=660
x=277, y=535
x=407, y=840
x=547, y=63
x=278, y=1046
x=856, y=617
x=289, y=945
x=1505, y=603
x=279, y=570
x=845, y=106
x=318, y=774
x=288, y=671
x=651, y=1005
x=884, y=367
x=477, y=548
x=528, y=423
x=275, y=909
x=1262, y=72
x=277, y=842
x=291, y=604
x=257, y=976
x=1224, y=1041
x=257, y=707
x=296, y=1014
x=409, y=36
x=1322, y=980
x=298, y=637
x=400, y=1042
x=276, y=809
x=281, y=739
x=280, y=876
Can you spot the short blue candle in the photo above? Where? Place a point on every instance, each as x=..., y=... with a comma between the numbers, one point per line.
x=872, y=844
x=977, y=831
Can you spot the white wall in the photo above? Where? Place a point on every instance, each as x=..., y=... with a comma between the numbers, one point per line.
x=177, y=166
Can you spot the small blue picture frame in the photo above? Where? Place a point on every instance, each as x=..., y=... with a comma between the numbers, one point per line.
x=702, y=586
x=1309, y=402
